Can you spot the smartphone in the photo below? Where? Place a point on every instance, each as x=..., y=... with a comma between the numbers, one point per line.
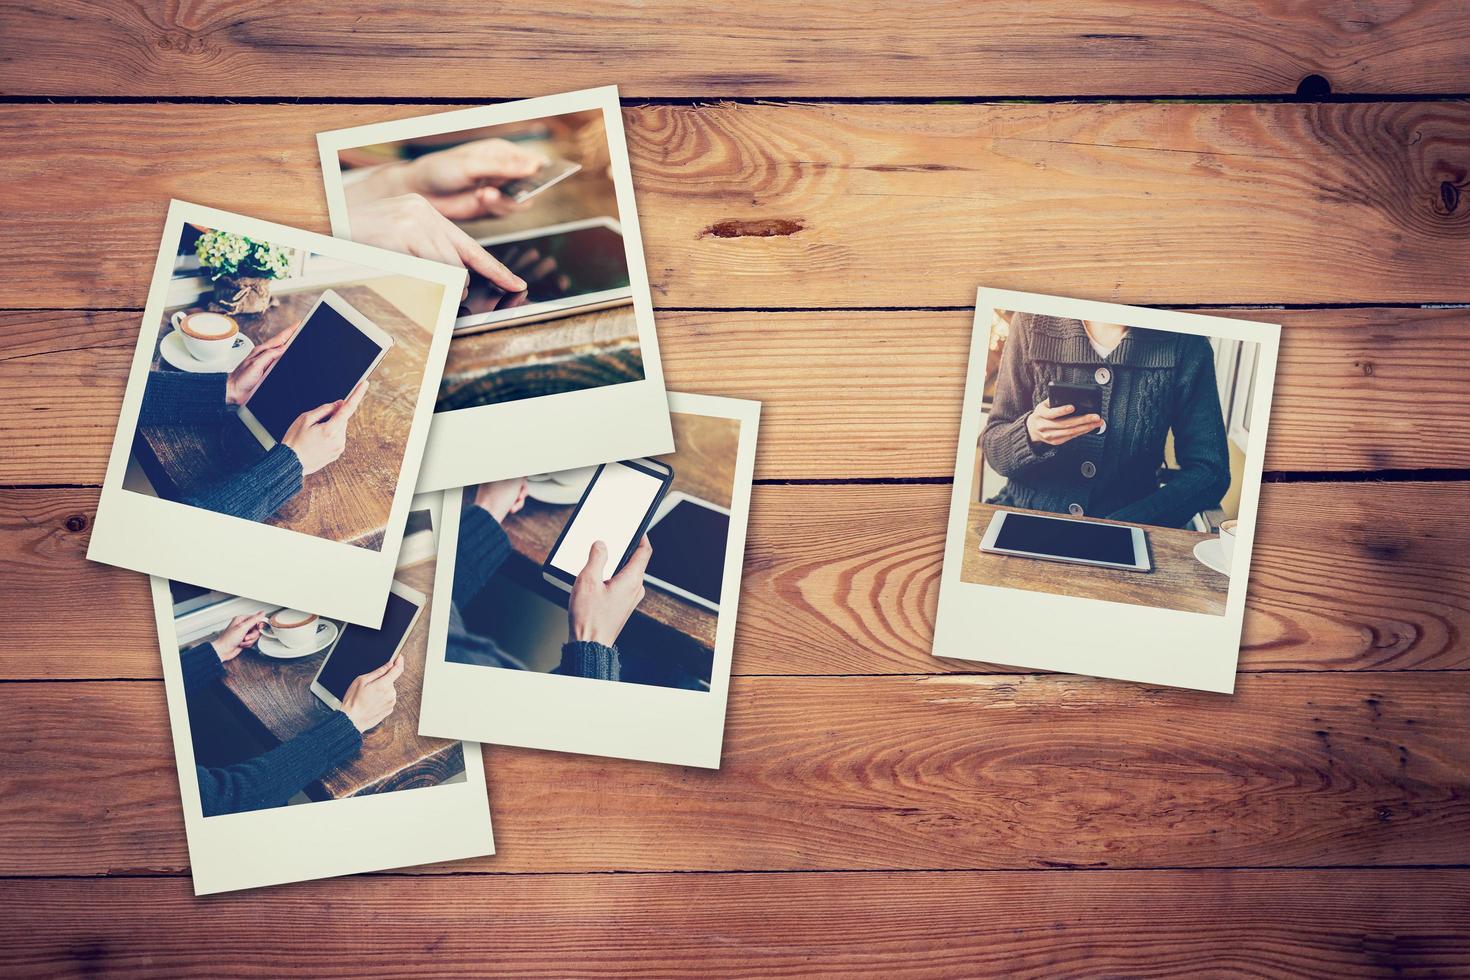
x=1086, y=399
x=522, y=189
x=615, y=509
x=359, y=650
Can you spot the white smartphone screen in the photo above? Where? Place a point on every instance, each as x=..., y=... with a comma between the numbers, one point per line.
x=612, y=514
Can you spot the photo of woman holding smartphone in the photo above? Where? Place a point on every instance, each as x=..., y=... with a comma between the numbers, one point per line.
x=1153, y=394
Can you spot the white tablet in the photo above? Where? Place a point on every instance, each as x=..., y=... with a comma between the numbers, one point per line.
x=335, y=348
x=359, y=650
x=688, y=535
x=568, y=268
x=1067, y=539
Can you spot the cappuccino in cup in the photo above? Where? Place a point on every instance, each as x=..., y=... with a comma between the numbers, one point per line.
x=1227, y=542
x=207, y=336
x=294, y=628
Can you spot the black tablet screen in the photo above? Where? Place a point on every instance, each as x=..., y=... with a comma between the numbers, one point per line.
x=324, y=361
x=1066, y=539
x=568, y=263
x=689, y=549
x=361, y=650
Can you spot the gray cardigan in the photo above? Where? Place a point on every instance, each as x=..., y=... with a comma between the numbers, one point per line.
x=1152, y=382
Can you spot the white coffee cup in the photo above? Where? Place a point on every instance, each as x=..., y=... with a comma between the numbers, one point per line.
x=208, y=336
x=294, y=628
x=1227, y=543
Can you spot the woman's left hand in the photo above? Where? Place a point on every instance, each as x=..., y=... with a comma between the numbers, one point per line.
x=247, y=376
x=242, y=632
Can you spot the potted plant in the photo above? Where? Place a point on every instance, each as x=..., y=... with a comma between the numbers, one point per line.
x=241, y=269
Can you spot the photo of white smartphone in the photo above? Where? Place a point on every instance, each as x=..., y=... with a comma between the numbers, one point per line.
x=359, y=650
x=688, y=535
x=334, y=349
x=616, y=508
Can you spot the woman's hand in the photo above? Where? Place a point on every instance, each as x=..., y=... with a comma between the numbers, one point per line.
x=502, y=498
x=410, y=224
x=462, y=181
x=241, y=383
x=371, y=697
x=1055, y=426
x=599, y=610
x=242, y=632
x=319, y=435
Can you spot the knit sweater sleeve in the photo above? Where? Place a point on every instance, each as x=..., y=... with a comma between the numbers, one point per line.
x=1199, y=448
x=257, y=491
x=179, y=398
x=1007, y=445
x=586, y=659
x=483, y=548
x=202, y=667
x=271, y=779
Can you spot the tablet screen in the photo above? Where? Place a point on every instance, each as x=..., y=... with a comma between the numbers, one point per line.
x=557, y=266
x=689, y=549
x=325, y=359
x=612, y=512
x=360, y=650
x=1066, y=539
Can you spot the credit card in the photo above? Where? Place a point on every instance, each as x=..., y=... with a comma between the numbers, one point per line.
x=524, y=188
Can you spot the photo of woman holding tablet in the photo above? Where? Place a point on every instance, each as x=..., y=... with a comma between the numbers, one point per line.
x=1105, y=458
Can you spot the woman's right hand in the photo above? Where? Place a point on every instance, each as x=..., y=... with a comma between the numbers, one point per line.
x=409, y=224
x=371, y=697
x=1054, y=426
x=599, y=610
x=319, y=435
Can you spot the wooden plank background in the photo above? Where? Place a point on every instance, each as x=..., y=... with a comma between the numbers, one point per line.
x=821, y=188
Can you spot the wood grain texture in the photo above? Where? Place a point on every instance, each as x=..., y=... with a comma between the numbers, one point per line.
x=868, y=773
x=1017, y=924
x=867, y=394
x=665, y=48
x=844, y=579
x=834, y=206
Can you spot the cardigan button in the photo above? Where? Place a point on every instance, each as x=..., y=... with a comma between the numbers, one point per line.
x=1075, y=510
x=1102, y=376
x=1089, y=469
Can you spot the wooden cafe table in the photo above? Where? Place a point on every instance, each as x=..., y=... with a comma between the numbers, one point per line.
x=346, y=501
x=277, y=695
x=704, y=465
x=1178, y=580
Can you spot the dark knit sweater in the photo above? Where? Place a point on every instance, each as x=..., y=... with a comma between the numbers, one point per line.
x=272, y=778
x=483, y=548
x=1152, y=382
x=254, y=492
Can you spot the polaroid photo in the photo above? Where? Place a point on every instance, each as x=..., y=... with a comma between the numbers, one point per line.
x=593, y=610
x=1105, y=490
x=554, y=361
x=296, y=735
x=276, y=412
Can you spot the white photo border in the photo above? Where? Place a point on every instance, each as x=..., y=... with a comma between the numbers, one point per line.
x=326, y=838
x=505, y=706
x=273, y=564
x=552, y=432
x=1093, y=636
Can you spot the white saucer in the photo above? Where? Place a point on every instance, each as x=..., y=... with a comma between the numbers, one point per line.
x=567, y=490
x=172, y=349
x=1211, y=555
x=269, y=646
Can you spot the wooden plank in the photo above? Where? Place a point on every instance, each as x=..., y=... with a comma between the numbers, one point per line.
x=1014, y=924
x=448, y=49
x=843, y=579
x=846, y=394
x=873, y=773
x=834, y=206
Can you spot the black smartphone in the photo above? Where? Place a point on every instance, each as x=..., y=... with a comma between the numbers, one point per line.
x=1085, y=399
x=615, y=509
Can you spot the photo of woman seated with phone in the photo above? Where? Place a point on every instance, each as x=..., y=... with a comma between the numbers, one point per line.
x=272, y=778
x=1082, y=414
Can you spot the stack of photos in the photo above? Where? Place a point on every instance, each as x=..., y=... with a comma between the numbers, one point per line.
x=1105, y=490
x=554, y=362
